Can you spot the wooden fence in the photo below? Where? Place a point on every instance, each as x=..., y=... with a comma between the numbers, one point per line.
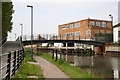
x=10, y=63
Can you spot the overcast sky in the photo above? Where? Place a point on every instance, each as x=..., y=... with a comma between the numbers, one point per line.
x=49, y=14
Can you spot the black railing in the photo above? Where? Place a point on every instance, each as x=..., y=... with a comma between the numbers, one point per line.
x=10, y=63
x=58, y=37
x=2, y=41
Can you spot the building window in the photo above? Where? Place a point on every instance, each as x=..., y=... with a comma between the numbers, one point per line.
x=104, y=24
x=97, y=23
x=102, y=31
x=77, y=33
x=77, y=24
x=88, y=32
x=63, y=28
x=92, y=23
x=71, y=26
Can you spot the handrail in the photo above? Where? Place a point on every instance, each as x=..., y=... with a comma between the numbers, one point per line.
x=3, y=40
x=12, y=63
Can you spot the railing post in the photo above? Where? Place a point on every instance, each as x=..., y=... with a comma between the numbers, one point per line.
x=20, y=56
x=18, y=59
x=23, y=53
x=56, y=55
x=9, y=66
x=14, y=64
x=53, y=54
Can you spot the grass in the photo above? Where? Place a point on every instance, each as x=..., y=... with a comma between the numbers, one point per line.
x=27, y=69
x=71, y=71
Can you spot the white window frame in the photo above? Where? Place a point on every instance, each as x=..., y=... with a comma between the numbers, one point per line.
x=92, y=23
x=104, y=25
x=77, y=24
x=97, y=24
x=88, y=32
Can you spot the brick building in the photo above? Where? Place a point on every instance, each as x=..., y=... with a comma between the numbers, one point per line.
x=84, y=29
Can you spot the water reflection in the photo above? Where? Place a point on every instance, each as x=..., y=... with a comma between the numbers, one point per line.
x=102, y=66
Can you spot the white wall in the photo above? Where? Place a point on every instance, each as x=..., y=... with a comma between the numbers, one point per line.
x=58, y=44
x=115, y=34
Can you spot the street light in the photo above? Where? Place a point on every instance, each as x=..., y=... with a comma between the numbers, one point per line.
x=15, y=36
x=111, y=19
x=31, y=28
x=112, y=23
x=21, y=35
x=21, y=30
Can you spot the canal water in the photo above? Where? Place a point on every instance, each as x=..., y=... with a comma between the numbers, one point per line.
x=99, y=65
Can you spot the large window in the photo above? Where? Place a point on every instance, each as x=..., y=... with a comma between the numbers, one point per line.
x=88, y=32
x=77, y=24
x=98, y=24
x=92, y=23
x=77, y=33
x=104, y=24
x=63, y=28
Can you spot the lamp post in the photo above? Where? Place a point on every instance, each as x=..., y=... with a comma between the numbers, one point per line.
x=112, y=23
x=21, y=34
x=31, y=28
x=15, y=36
x=21, y=30
x=111, y=19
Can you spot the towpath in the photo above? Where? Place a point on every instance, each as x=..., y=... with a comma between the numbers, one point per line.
x=50, y=70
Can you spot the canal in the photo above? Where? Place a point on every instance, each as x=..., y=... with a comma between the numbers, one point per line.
x=99, y=65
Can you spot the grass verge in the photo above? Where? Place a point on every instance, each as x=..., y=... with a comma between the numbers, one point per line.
x=27, y=69
x=71, y=71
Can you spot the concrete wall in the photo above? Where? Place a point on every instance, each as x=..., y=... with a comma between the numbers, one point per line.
x=113, y=48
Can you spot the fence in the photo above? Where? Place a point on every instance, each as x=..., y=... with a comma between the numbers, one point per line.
x=10, y=62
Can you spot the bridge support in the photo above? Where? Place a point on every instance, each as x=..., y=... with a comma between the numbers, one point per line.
x=66, y=46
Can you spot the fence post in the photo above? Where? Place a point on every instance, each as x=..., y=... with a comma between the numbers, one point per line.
x=14, y=63
x=9, y=66
x=53, y=54
x=56, y=55
x=23, y=53
x=18, y=59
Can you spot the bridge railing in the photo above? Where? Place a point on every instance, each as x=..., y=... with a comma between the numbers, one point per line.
x=10, y=62
x=2, y=41
x=57, y=37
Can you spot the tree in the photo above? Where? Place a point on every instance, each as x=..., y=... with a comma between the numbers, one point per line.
x=7, y=11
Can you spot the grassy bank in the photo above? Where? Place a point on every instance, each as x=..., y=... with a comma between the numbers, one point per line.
x=71, y=71
x=27, y=69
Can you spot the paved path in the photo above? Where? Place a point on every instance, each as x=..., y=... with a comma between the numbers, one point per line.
x=49, y=69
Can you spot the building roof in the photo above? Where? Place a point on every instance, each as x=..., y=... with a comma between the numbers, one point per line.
x=118, y=25
x=83, y=20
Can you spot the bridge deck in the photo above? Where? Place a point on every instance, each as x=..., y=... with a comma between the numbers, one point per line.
x=90, y=42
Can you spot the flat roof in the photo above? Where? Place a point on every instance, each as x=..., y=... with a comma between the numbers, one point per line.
x=83, y=20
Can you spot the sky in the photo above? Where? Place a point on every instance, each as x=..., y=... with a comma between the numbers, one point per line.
x=48, y=14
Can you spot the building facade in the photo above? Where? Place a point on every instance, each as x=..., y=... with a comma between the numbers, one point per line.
x=116, y=33
x=84, y=29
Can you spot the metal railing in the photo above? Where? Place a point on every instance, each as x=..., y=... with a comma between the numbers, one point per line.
x=10, y=63
x=2, y=41
x=57, y=37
